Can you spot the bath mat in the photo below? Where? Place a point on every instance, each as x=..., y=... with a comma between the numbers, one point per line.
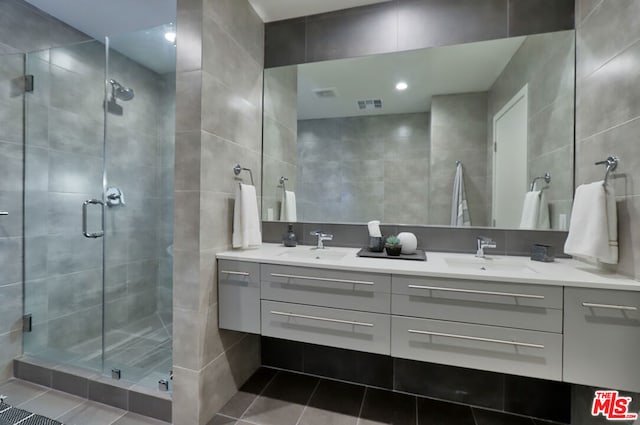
x=11, y=415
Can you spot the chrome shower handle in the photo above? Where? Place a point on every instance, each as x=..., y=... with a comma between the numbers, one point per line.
x=85, y=205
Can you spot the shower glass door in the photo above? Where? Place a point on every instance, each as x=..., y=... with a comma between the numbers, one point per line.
x=98, y=228
x=139, y=206
x=64, y=154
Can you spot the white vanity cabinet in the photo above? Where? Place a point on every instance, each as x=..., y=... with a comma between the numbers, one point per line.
x=501, y=327
x=602, y=338
x=342, y=309
x=239, y=296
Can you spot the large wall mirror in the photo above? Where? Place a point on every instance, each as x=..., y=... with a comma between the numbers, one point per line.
x=353, y=146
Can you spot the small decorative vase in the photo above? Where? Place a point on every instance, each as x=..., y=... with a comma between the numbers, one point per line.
x=393, y=250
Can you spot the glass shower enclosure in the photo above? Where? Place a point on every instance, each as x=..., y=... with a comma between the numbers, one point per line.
x=99, y=149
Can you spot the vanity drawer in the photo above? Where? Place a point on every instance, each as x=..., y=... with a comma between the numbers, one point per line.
x=348, y=329
x=331, y=288
x=534, y=307
x=497, y=349
x=239, y=296
x=602, y=338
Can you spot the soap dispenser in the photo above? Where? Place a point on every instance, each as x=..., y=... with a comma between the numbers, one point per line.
x=289, y=239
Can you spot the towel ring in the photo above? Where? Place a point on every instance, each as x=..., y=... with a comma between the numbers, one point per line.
x=611, y=163
x=546, y=177
x=282, y=180
x=238, y=169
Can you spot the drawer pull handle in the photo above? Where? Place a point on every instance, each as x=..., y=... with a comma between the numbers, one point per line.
x=611, y=306
x=322, y=279
x=234, y=273
x=474, y=291
x=322, y=319
x=475, y=338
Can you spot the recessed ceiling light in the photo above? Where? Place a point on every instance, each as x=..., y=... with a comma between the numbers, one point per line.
x=170, y=36
x=402, y=85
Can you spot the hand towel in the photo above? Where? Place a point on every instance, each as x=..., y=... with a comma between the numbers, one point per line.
x=535, y=211
x=246, y=221
x=459, y=208
x=288, y=207
x=593, y=231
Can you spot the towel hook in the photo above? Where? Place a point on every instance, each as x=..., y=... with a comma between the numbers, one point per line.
x=546, y=177
x=238, y=169
x=282, y=180
x=611, y=163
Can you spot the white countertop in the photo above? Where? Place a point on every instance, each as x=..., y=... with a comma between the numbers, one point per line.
x=562, y=272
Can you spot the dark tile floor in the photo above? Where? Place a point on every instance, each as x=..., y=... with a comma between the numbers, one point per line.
x=273, y=397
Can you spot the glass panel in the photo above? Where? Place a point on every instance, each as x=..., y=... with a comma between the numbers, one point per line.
x=63, y=168
x=139, y=231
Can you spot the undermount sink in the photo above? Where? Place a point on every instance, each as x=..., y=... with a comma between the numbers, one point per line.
x=313, y=254
x=490, y=265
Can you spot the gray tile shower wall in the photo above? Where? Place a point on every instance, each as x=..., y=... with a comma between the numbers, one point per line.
x=22, y=28
x=608, y=111
x=430, y=238
x=409, y=24
x=64, y=167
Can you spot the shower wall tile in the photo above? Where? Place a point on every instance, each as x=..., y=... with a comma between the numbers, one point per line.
x=11, y=225
x=10, y=310
x=11, y=260
x=11, y=157
x=74, y=173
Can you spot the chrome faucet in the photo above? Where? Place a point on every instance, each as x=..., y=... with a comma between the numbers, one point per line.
x=321, y=238
x=484, y=242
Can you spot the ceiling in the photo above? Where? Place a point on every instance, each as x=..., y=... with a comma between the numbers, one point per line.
x=464, y=68
x=275, y=10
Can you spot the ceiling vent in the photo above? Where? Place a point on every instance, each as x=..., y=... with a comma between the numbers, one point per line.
x=326, y=93
x=370, y=104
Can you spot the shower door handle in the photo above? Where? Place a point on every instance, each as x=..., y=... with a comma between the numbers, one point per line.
x=85, y=205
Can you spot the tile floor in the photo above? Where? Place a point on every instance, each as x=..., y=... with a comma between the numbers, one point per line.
x=68, y=409
x=274, y=397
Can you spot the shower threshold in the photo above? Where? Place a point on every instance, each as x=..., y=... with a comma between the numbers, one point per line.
x=88, y=384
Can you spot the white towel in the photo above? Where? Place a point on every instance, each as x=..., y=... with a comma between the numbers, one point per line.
x=535, y=211
x=288, y=207
x=593, y=231
x=459, y=207
x=246, y=221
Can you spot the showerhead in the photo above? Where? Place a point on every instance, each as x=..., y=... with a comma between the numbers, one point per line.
x=120, y=92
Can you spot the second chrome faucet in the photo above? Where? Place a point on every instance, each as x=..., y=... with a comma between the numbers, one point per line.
x=484, y=242
x=321, y=238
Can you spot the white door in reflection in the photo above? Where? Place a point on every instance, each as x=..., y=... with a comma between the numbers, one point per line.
x=510, y=161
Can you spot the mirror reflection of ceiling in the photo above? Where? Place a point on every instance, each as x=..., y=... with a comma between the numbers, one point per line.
x=119, y=19
x=443, y=70
x=276, y=10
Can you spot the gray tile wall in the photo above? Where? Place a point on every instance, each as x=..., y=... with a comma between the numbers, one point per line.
x=545, y=63
x=218, y=124
x=608, y=110
x=64, y=156
x=22, y=28
x=357, y=169
x=409, y=24
x=459, y=133
x=280, y=137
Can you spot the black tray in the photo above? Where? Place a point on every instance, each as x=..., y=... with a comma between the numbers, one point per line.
x=419, y=255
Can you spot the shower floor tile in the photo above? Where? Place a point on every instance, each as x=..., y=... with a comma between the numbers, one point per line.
x=67, y=409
